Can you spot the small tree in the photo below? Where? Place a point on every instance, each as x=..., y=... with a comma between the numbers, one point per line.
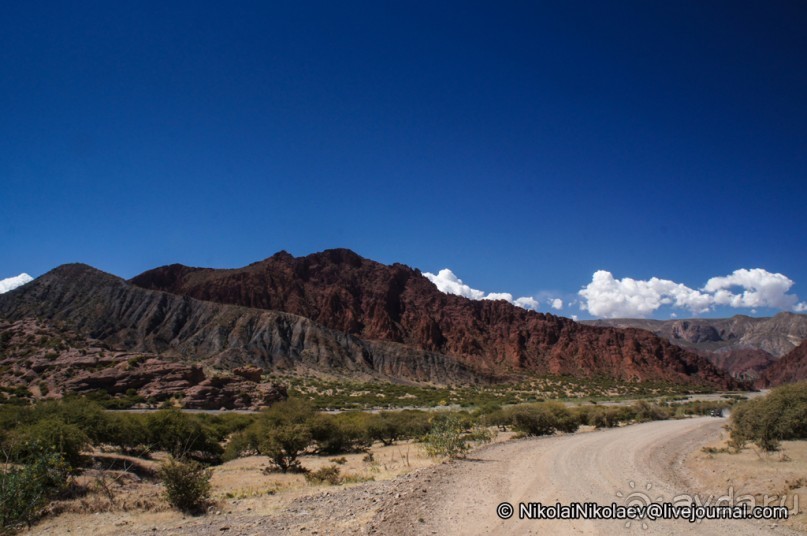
x=182, y=436
x=284, y=444
x=187, y=485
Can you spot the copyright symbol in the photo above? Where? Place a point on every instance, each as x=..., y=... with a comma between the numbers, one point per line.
x=505, y=510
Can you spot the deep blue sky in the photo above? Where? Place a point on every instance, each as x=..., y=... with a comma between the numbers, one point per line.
x=522, y=144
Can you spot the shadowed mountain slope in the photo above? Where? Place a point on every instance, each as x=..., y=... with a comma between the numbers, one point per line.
x=126, y=317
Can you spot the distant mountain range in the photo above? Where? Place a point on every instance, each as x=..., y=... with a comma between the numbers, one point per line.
x=332, y=313
x=740, y=345
x=776, y=335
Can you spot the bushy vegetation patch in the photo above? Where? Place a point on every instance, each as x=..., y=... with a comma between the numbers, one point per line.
x=769, y=420
x=26, y=489
x=187, y=485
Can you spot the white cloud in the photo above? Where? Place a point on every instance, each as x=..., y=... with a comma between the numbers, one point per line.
x=574, y=317
x=608, y=297
x=557, y=304
x=800, y=307
x=506, y=296
x=446, y=281
x=615, y=298
x=13, y=282
x=760, y=287
x=527, y=302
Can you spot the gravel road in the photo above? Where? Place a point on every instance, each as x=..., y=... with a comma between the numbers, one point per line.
x=602, y=466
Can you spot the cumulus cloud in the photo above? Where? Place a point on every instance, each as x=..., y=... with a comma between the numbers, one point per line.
x=11, y=283
x=800, y=307
x=557, y=304
x=608, y=297
x=446, y=281
x=527, y=302
x=760, y=288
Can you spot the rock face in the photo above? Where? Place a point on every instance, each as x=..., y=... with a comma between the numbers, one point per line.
x=397, y=305
x=744, y=364
x=126, y=317
x=776, y=335
x=790, y=368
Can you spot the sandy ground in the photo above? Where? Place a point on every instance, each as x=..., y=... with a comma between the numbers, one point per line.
x=778, y=478
x=651, y=461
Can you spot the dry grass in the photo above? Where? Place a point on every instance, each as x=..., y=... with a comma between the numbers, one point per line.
x=111, y=502
x=753, y=472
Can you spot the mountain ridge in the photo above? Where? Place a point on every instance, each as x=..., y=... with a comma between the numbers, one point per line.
x=395, y=303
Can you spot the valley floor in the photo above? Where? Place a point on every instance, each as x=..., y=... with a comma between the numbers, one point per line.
x=661, y=459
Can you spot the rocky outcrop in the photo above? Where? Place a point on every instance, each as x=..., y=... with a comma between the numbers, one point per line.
x=46, y=361
x=230, y=392
x=789, y=369
x=397, y=305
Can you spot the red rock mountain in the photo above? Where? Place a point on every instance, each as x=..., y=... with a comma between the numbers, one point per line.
x=342, y=291
x=790, y=368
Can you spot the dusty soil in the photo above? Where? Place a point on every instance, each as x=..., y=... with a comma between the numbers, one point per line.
x=778, y=478
x=657, y=460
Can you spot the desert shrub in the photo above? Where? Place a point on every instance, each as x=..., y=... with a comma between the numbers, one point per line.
x=281, y=432
x=187, y=485
x=345, y=432
x=129, y=432
x=182, y=436
x=26, y=490
x=244, y=443
x=389, y=427
x=501, y=418
x=326, y=475
x=543, y=419
x=644, y=411
x=26, y=444
x=80, y=412
x=487, y=408
x=602, y=416
x=284, y=444
x=291, y=411
x=226, y=424
x=447, y=437
x=766, y=421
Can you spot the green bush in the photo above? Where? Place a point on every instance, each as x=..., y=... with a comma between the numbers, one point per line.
x=30, y=443
x=336, y=434
x=26, y=490
x=544, y=418
x=447, y=438
x=187, y=485
x=182, y=436
x=766, y=421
